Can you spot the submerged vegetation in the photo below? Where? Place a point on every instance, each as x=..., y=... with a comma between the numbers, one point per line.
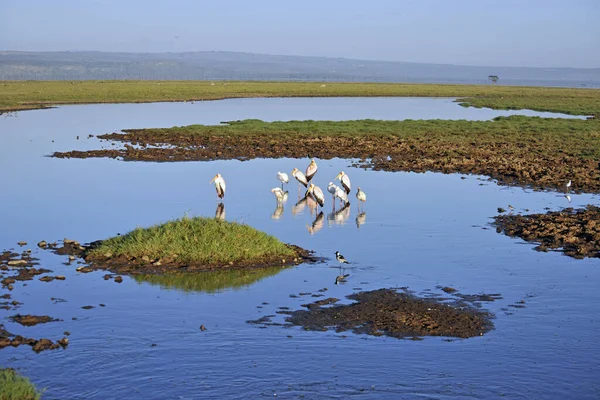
x=23, y=95
x=16, y=387
x=202, y=243
x=541, y=152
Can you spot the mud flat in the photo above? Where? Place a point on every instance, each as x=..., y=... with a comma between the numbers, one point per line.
x=390, y=313
x=575, y=232
x=541, y=153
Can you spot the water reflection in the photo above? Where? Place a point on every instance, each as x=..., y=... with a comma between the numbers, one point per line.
x=209, y=282
x=317, y=224
x=299, y=207
x=220, y=212
x=361, y=219
x=278, y=211
x=340, y=216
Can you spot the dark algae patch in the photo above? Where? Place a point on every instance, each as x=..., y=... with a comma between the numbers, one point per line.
x=575, y=232
x=391, y=313
x=543, y=153
x=31, y=320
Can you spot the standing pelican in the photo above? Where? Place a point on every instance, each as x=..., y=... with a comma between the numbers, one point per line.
x=345, y=181
x=219, y=185
x=317, y=194
x=283, y=177
x=361, y=196
x=300, y=177
x=340, y=194
x=279, y=194
x=311, y=170
x=331, y=188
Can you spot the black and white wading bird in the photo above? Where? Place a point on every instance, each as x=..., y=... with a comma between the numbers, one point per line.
x=361, y=196
x=280, y=195
x=345, y=181
x=569, y=185
x=341, y=259
x=317, y=194
x=331, y=188
x=300, y=177
x=219, y=185
x=283, y=177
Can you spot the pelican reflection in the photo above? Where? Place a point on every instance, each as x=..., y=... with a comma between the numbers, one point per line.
x=299, y=207
x=220, y=212
x=317, y=224
x=340, y=216
x=361, y=219
x=278, y=211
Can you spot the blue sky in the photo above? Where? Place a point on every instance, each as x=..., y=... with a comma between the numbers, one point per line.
x=540, y=33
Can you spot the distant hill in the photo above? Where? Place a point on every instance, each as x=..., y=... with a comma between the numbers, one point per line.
x=222, y=65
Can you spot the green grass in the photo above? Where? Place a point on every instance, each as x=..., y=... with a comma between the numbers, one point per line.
x=572, y=137
x=16, y=387
x=197, y=241
x=19, y=95
x=210, y=281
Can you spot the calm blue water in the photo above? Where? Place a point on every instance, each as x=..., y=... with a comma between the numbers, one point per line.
x=418, y=230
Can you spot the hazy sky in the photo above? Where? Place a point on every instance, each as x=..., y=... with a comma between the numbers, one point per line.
x=546, y=33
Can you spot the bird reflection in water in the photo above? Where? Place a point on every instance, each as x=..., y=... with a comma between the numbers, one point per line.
x=361, y=219
x=220, y=212
x=278, y=211
x=568, y=198
x=317, y=224
x=299, y=207
x=340, y=216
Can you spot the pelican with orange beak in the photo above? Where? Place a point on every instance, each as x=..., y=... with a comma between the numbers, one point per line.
x=219, y=185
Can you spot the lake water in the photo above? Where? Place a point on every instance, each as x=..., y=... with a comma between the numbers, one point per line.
x=417, y=231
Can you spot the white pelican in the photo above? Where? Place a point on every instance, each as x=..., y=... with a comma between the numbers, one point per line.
x=279, y=194
x=311, y=170
x=345, y=181
x=340, y=194
x=361, y=196
x=331, y=188
x=317, y=194
x=300, y=177
x=219, y=185
x=283, y=177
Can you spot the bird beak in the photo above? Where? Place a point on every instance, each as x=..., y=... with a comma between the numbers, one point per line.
x=338, y=176
x=213, y=179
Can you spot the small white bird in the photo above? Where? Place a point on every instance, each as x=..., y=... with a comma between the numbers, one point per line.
x=345, y=181
x=219, y=185
x=361, y=196
x=569, y=184
x=300, y=177
x=279, y=194
x=283, y=177
x=317, y=194
x=311, y=170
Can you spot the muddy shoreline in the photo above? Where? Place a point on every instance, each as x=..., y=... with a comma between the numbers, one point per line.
x=575, y=232
x=508, y=163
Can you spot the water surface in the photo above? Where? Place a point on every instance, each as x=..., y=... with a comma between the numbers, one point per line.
x=417, y=231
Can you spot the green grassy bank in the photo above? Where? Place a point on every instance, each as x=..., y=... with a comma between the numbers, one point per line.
x=16, y=387
x=21, y=95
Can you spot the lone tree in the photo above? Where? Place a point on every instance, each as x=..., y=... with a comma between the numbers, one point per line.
x=493, y=78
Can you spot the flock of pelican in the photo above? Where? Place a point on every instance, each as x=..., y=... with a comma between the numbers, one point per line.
x=313, y=195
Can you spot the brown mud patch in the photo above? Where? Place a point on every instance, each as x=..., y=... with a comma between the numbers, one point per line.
x=390, y=313
x=32, y=320
x=574, y=232
x=125, y=265
x=508, y=163
x=37, y=345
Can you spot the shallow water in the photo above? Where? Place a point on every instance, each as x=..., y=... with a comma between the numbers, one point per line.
x=417, y=230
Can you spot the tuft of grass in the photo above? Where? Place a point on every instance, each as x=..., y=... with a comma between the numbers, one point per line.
x=197, y=241
x=16, y=387
x=23, y=95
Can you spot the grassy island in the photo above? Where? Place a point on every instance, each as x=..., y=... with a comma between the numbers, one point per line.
x=16, y=387
x=195, y=243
